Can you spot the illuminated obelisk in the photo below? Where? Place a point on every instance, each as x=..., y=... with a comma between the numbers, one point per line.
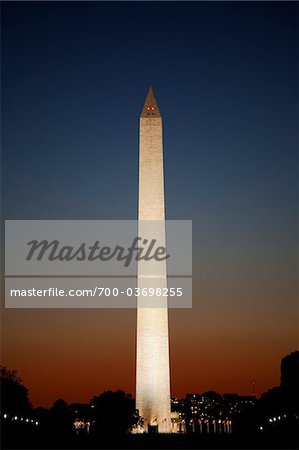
x=152, y=364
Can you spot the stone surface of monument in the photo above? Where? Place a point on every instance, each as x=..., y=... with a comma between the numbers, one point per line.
x=152, y=352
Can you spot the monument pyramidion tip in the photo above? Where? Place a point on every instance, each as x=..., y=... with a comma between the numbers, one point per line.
x=150, y=108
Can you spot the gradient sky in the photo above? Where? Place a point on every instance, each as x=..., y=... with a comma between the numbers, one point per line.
x=74, y=79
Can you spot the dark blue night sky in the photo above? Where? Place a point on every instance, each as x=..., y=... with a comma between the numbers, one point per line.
x=74, y=79
x=75, y=76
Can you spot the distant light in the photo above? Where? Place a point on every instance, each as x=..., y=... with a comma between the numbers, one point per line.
x=270, y=420
x=278, y=417
x=32, y=421
x=27, y=420
x=16, y=417
x=22, y=418
x=5, y=416
x=36, y=423
x=274, y=418
x=261, y=428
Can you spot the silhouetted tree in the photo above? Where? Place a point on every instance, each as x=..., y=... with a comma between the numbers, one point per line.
x=14, y=395
x=60, y=419
x=114, y=412
x=80, y=410
x=42, y=416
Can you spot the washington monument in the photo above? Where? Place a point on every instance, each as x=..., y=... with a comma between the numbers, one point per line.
x=152, y=365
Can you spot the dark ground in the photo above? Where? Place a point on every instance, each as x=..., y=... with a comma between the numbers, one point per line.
x=28, y=439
